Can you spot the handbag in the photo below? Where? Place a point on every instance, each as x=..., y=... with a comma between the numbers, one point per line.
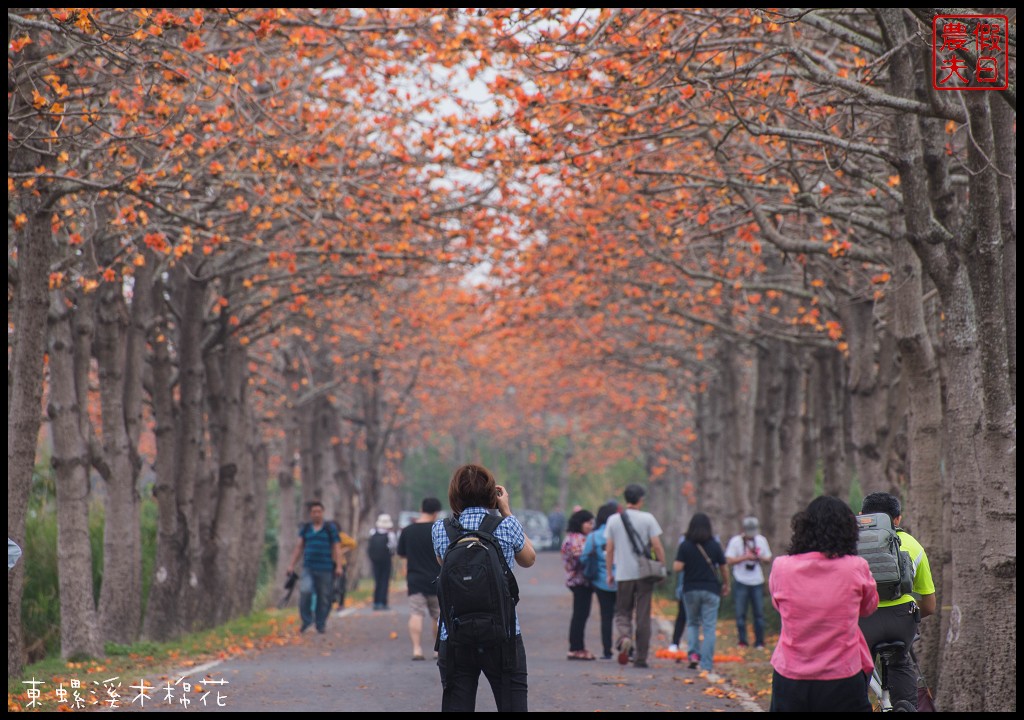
x=590, y=564
x=650, y=569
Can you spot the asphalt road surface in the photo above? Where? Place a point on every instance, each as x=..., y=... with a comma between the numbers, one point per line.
x=363, y=663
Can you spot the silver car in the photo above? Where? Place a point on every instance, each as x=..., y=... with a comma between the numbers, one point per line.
x=535, y=523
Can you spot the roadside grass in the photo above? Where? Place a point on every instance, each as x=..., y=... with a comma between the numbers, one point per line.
x=159, y=664
x=746, y=669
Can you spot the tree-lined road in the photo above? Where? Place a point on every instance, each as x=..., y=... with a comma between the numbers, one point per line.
x=363, y=664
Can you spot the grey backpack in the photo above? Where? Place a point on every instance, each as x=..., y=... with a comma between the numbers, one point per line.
x=891, y=566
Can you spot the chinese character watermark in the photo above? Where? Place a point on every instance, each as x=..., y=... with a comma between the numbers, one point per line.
x=970, y=52
x=208, y=692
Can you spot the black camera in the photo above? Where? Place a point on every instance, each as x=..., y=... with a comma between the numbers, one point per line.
x=757, y=551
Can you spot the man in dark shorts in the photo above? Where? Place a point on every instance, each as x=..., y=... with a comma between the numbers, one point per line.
x=416, y=546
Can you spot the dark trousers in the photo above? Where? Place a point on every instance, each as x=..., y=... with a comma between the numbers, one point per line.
x=751, y=596
x=606, y=601
x=846, y=695
x=340, y=585
x=315, y=583
x=887, y=624
x=633, y=598
x=381, y=580
x=677, y=631
x=582, y=596
x=459, y=686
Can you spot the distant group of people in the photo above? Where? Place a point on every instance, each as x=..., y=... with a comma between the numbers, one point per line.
x=625, y=593
x=831, y=615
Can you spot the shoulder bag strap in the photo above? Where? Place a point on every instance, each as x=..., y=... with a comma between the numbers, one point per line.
x=634, y=539
x=714, y=568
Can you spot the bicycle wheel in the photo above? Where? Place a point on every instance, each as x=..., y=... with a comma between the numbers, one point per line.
x=904, y=706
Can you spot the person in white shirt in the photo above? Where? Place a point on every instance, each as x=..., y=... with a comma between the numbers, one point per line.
x=633, y=596
x=747, y=554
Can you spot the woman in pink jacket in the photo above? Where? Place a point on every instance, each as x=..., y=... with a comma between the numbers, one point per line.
x=821, y=589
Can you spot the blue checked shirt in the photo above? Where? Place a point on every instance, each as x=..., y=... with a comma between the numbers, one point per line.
x=509, y=534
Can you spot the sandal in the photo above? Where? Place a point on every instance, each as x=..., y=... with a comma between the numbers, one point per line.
x=581, y=655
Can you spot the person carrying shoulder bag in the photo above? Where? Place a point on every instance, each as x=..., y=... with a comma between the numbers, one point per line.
x=633, y=597
x=704, y=586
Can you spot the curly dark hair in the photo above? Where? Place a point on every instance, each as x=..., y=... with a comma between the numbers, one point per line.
x=828, y=526
x=576, y=520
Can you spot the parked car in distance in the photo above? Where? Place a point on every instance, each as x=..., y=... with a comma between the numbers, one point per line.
x=535, y=523
x=407, y=517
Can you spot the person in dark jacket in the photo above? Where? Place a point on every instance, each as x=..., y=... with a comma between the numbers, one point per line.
x=706, y=583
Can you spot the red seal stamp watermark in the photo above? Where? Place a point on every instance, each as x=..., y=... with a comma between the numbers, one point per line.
x=970, y=52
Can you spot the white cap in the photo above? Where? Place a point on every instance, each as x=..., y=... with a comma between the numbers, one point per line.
x=384, y=522
x=751, y=525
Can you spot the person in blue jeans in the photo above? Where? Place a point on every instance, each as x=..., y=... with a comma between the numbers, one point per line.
x=747, y=555
x=604, y=590
x=320, y=549
x=706, y=583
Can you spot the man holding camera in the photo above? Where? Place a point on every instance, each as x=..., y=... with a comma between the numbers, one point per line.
x=745, y=554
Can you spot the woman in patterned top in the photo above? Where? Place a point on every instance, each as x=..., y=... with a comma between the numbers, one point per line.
x=579, y=526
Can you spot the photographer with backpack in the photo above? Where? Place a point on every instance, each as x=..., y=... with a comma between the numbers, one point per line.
x=899, y=612
x=477, y=594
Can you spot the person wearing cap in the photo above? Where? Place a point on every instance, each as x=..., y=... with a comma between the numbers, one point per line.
x=747, y=554
x=381, y=547
x=633, y=595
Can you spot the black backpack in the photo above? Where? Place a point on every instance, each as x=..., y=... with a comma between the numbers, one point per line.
x=476, y=589
x=377, y=548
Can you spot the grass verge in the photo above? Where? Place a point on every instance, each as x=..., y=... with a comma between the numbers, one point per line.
x=106, y=683
x=746, y=669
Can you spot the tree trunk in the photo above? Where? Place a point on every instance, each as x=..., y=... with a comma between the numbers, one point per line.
x=966, y=267
x=225, y=393
x=993, y=458
x=79, y=626
x=121, y=592
x=867, y=402
x=1004, y=124
x=287, y=513
x=307, y=439
x=776, y=518
x=34, y=247
x=771, y=428
x=828, y=367
x=748, y=486
x=174, y=592
x=812, y=464
x=254, y=515
x=924, y=418
x=163, y=616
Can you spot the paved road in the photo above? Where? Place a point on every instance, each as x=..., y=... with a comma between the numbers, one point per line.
x=363, y=664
